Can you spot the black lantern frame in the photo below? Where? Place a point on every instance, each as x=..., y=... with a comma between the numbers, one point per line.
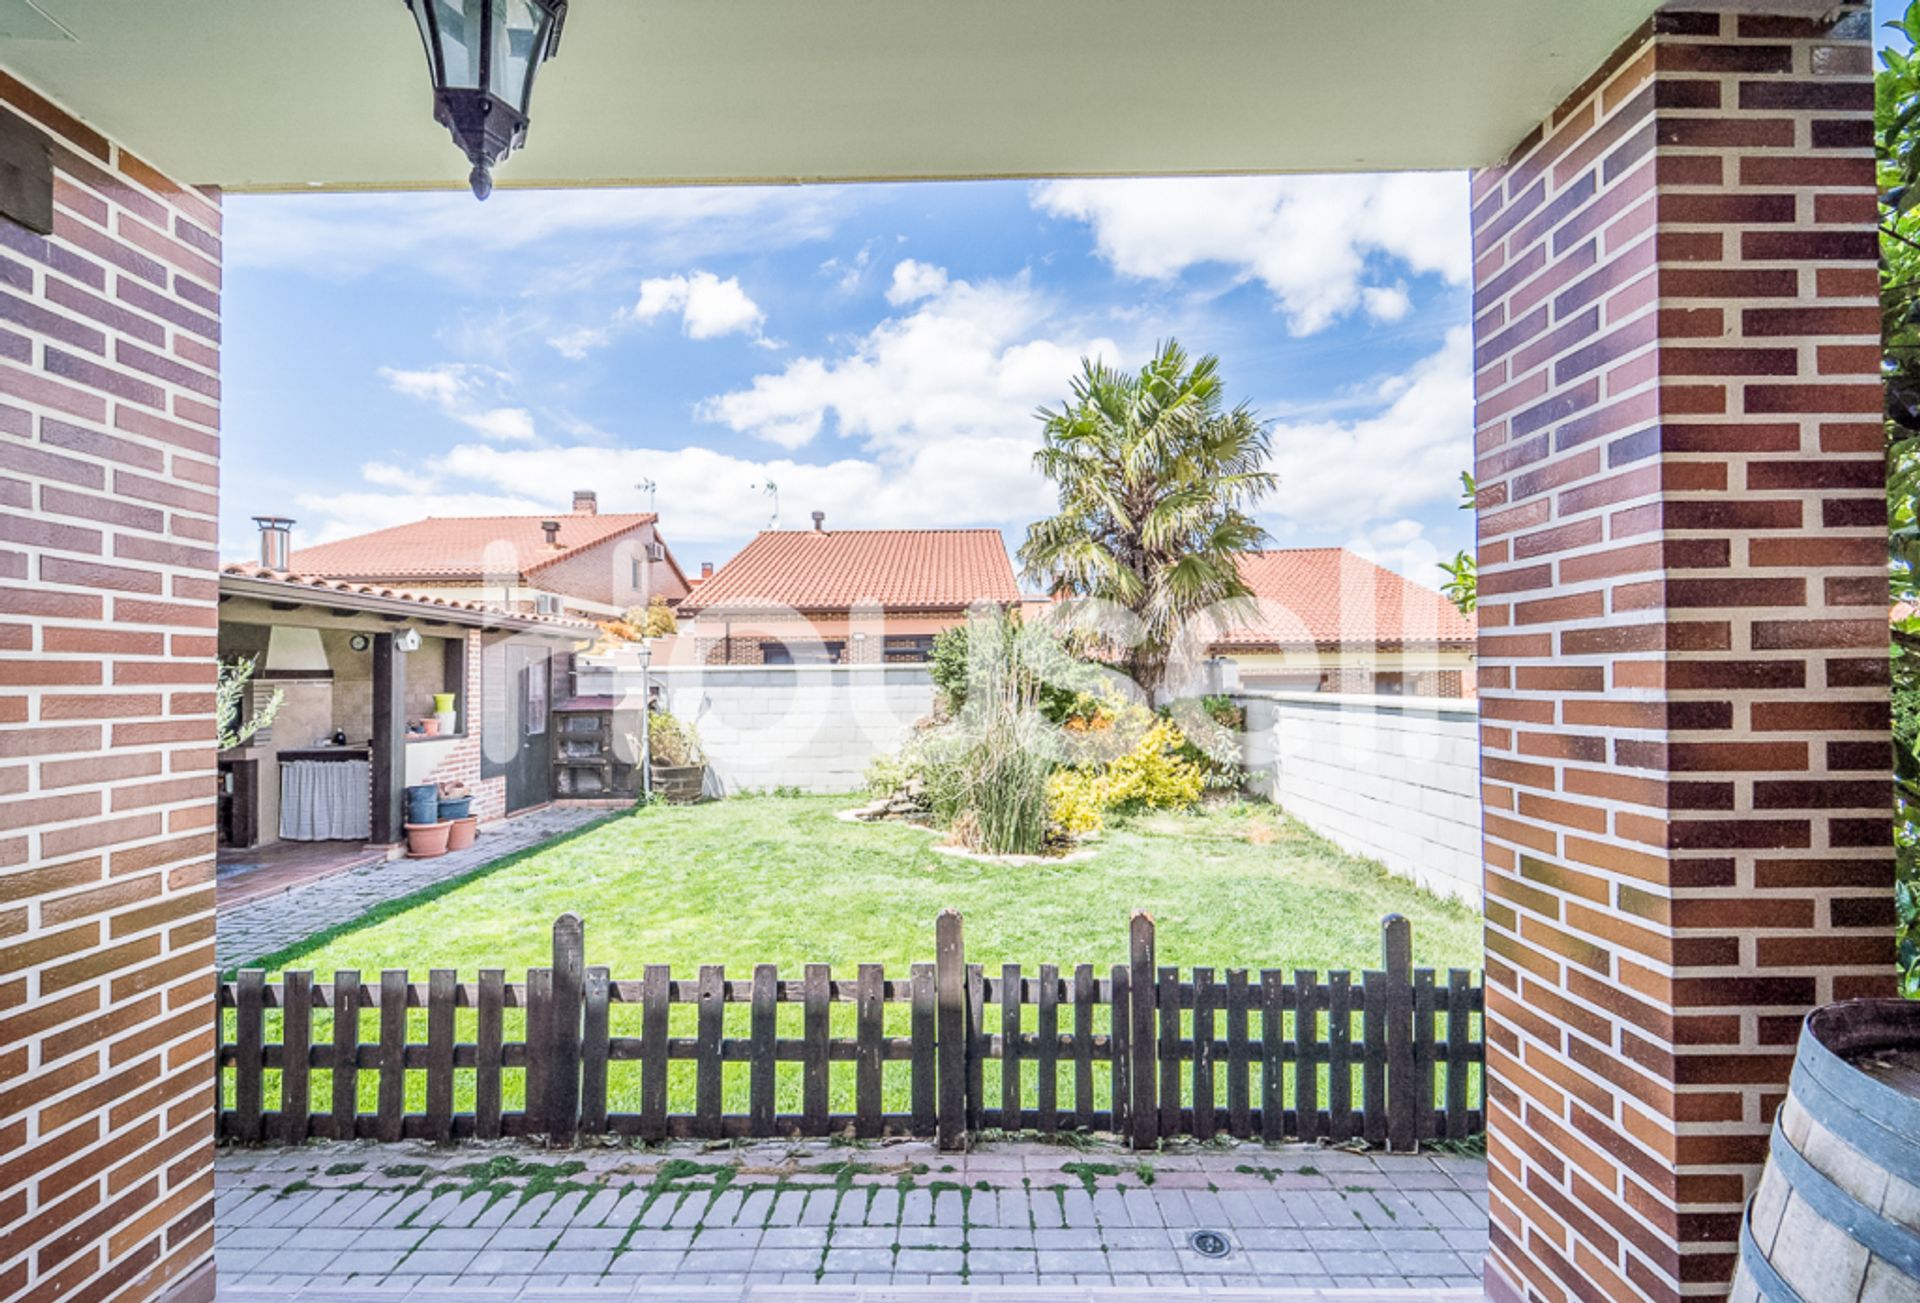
x=485, y=124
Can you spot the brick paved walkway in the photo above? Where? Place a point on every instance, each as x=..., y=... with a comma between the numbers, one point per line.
x=260, y=927
x=506, y=1222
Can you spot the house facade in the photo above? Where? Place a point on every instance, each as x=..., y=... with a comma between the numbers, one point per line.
x=579, y=562
x=1330, y=620
x=843, y=597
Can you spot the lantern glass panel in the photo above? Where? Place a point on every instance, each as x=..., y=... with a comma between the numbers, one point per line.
x=516, y=26
x=459, y=40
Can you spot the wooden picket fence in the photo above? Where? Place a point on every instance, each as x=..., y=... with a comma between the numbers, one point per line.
x=1411, y=1040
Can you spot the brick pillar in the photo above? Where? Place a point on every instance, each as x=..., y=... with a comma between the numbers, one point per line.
x=109, y=446
x=1683, y=673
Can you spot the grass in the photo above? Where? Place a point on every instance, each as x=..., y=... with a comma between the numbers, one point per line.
x=781, y=880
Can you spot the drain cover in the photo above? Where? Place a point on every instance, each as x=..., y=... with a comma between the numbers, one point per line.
x=1210, y=1244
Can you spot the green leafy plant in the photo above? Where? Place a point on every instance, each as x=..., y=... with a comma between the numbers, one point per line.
x=1462, y=587
x=1157, y=479
x=237, y=726
x=673, y=741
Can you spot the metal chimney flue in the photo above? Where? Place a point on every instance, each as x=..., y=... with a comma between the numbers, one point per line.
x=552, y=530
x=819, y=522
x=276, y=540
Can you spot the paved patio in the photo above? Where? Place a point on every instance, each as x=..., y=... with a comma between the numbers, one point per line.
x=504, y=1221
x=255, y=927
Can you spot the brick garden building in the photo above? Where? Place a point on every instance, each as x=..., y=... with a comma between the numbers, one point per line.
x=1682, y=649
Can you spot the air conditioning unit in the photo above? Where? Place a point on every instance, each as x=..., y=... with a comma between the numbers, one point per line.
x=656, y=551
x=547, y=604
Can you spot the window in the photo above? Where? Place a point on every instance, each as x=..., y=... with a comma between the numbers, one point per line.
x=636, y=573
x=1390, y=685
x=807, y=653
x=907, y=648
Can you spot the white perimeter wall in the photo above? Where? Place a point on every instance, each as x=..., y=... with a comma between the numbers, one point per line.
x=811, y=727
x=1396, y=779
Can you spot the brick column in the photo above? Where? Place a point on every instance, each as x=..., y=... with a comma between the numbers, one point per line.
x=1683, y=672
x=109, y=446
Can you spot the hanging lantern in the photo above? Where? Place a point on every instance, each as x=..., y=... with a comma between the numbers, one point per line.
x=482, y=56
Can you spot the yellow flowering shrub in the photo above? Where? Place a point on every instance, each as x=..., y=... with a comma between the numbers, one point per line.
x=1076, y=800
x=1153, y=775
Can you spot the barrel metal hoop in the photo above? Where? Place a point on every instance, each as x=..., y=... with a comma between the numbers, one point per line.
x=1898, y=1111
x=1896, y=1244
x=1855, y=1117
x=1772, y=1286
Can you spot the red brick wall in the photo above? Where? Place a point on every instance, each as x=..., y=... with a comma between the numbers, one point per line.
x=109, y=419
x=462, y=763
x=1683, y=673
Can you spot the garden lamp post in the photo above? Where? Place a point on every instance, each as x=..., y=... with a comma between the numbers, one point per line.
x=482, y=56
x=646, y=723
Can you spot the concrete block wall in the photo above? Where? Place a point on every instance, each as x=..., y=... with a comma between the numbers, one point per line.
x=816, y=728
x=1396, y=779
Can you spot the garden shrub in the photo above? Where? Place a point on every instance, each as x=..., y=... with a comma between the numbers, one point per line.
x=1153, y=774
x=1076, y=800
x=672, y=741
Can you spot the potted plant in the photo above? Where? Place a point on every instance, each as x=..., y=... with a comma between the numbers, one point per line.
x=426, y=840
x=679, y=767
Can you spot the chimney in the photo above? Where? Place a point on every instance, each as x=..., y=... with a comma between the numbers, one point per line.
x=586, y=502
x=276, y=541
x=706, y=569
x=552, y=528
x=819, y=522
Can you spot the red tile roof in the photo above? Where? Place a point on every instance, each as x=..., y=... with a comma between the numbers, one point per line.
x=317, y=588
x=1325, y=596
x=462, y=547
x=833, y=570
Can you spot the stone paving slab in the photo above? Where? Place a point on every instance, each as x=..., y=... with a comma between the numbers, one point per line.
x=509, y=1221
x=260, y=927
x=600, y=1293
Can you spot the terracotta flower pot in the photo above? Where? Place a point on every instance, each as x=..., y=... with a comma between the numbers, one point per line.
x=463, y=832
x=430, y=727
x=426, y=840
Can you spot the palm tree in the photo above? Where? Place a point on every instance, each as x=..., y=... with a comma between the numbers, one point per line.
x=1156, y=479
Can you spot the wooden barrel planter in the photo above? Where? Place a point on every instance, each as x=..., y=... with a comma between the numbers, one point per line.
x=679, y=784
x=1837, y=1213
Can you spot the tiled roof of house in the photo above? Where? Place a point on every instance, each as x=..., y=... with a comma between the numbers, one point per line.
x=832, y=570
x=1325, y=596
x=317, y=589
x=460, y=547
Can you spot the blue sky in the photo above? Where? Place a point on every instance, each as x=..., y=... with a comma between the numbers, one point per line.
x=875, y=351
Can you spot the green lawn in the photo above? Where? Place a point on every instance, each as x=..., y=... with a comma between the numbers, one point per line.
x=778, y=880
x=783, y=881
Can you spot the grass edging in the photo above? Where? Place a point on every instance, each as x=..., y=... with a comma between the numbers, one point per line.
x=386, y=909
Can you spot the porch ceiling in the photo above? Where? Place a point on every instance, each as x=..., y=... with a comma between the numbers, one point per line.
x=292, y=94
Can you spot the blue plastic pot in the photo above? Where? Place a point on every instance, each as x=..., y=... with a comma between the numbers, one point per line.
x=423, y=804
x=455, y=807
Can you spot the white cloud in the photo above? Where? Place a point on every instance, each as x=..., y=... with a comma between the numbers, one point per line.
x=341, y=236
x=459, y=390
x=1309, y=239
x=914, y=280
x=389, y=476
x=1406, y=455
x=328, y=516
x=1386, y=302
x=707, y=306
x=576, y=342
x=971, y=362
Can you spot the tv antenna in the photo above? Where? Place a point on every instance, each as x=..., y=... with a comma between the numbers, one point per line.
x=647, y=487
x=771, y=490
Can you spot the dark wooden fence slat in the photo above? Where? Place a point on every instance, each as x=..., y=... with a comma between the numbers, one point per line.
x=1306, y=1065
x=707, y=1097
x=536, y=1035
x=765, y=1027
x=1339, y=1056
x=1396, y=944
x=976, y=1046
x=1373, y=1058
x=1083, y=995
x=1120, y=1050
x=656, y=984
x=595, y=1030
x=392, y=1113
x=1143, y=1076
x=1047, y=1047
x=489, y=1037
x=813, y=1065
x=1273, y=1113
x=923, y=1037
x=1204, y=994
x=440, y=984
x=346, y=1054
x=296, y=1055
x=1167, y=999
x=1459, y=1018
x=1423, y=1075
x=950, y=981
x=1239, y=1057
x=869, y=1067
x=1010, y=1115
x=562, y=1088
x=250, y=1056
